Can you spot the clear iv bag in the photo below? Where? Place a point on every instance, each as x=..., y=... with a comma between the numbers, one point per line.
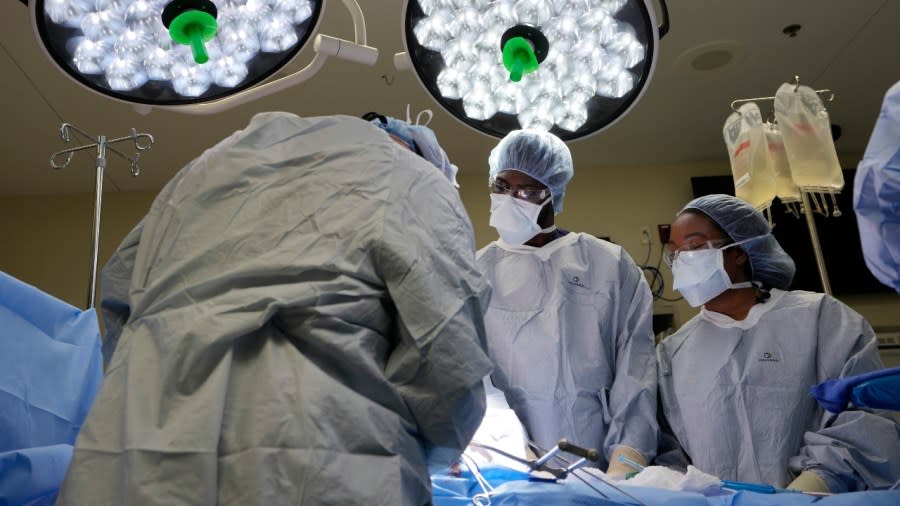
x=754, y=179
x=806, y=130
x=785, y=188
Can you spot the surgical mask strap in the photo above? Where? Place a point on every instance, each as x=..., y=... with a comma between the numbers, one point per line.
x=551, y=228
x=418, y=121
x=738, y=243
x=744, y=284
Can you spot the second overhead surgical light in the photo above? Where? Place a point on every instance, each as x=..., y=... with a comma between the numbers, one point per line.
x=541, y=61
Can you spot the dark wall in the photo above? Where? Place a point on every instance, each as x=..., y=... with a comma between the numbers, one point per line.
x=839, y=238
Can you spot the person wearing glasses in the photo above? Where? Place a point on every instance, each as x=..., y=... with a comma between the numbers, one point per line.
x=569, y=322
x=735, y=380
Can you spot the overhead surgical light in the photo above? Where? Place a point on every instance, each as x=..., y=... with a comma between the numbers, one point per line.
x=195, y=56
x=573, y=67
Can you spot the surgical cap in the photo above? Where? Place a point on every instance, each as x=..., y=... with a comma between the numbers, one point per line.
x=539, y=154
x=420, y=138
x=770, y=264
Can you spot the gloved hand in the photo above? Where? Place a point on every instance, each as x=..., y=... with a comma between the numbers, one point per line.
x=809, y=481
x=618, y=470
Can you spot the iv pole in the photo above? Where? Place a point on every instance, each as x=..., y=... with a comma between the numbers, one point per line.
x=142, y=142
x=817, y=247
x=804, y=196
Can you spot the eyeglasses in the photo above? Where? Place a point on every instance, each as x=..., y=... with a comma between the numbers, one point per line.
x=528, y=193
x=670, y=255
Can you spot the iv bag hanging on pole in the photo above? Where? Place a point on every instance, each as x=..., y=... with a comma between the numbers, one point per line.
x=754, y=179
x=785, y=188
x=806, y=130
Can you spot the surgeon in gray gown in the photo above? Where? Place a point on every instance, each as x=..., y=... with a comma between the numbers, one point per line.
x=569, y=324
x=735, y=380
x=300, y=322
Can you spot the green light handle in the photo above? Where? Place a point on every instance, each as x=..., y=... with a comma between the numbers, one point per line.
x=515, y=73
x=198, y=47
x=194, y=28
x=519, y=58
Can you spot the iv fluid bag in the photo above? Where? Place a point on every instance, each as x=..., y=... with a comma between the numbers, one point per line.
x=754, y=180
x=806, y=130
x=785, y=188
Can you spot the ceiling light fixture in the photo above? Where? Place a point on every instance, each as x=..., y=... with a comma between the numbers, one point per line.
x=573, y=67
x=192, y=56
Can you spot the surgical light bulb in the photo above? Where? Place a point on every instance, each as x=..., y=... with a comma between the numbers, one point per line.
x=296, y=12
x=190, y=80
x=434, y=32
x=467, y=25
x=573, y=117
x=453, y=83
x=125, y=74
x=114, y=7
x=617, y=86
x=142, y=16
x=239, y=41
x=480, y=104
x=101, y=25
x=533, y=12
x=67, y=12
x=93, y=57
x=610, y=6
x=158, y=64
x=276, y=34
x=132, y=46
x=229, y=71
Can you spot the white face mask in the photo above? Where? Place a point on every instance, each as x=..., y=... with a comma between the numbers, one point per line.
x=700, y=275
x=516, y=219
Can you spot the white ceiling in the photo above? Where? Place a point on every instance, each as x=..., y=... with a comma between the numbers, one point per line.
x=844, y=45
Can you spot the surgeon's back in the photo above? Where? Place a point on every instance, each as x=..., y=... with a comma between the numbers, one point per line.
x=301, y=323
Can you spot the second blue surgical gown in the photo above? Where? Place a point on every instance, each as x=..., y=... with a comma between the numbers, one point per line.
x=876, y=194
x=570, y=331
x=737, y=394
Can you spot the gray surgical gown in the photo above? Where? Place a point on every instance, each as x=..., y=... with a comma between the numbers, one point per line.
x=569, y=329
x=299, y=321
x=737, y=394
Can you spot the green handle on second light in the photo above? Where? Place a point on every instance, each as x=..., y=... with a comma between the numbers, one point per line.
x=198, y=48
x=194, y=28
x=519, y=58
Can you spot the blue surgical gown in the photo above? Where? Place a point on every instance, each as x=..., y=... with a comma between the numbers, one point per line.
x=570, y=331
x=299, y=321
x=876, y=194
x=737, y=394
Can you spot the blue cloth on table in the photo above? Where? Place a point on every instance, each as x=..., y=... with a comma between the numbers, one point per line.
x=867, y=498
x=50, y=370
x=33, y=476
x=516, y=490
x=877, y=389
